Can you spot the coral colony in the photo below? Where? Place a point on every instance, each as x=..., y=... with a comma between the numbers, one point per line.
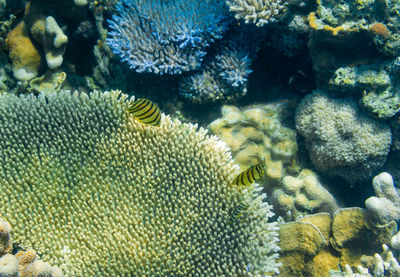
x=254, y=138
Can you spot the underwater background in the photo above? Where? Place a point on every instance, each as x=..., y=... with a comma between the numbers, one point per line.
x=199, y=138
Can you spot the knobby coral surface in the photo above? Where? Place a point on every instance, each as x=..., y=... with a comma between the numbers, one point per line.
x=259, y=12
x=342, y=141
x=100, y=194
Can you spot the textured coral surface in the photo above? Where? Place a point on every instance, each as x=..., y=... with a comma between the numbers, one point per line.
x=341, y=139
x=99, y=194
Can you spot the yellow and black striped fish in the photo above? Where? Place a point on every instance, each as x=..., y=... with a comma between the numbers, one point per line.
x=250, y=175
x=146, y=112
x=238, y=211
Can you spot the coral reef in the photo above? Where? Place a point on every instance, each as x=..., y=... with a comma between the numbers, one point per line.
x=223, y=75
x=302, y=195
x=341, y=140
x=45, y=32
x=369, y=18
x=49, y=83
x=259, y=12
x=24, y=263
x=257, y=133
x=316, y=244
x=379, y=265
x=165, y=36
x=25, y=58
x=386, y=206
x=224, y=79
x=5, y=237
x=377, y=85
x=100, y=194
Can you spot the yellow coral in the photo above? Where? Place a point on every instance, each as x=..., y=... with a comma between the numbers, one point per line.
x=256, y=133
x=25, y=58
x=26, y=257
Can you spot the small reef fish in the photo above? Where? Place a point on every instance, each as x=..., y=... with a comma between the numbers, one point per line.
x=146, y=112
x=250, y=175
x=238, y=211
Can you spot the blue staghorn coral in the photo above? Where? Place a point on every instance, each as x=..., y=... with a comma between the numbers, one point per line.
x=223, y=79
x=166, y=37
x=224, y=74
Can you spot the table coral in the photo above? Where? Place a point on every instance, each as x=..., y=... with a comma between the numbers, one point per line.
x=100, y=194
x=224, y=79
x=165, y=36
x=341, y=140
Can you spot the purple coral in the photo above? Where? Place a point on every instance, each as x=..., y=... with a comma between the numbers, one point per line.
x=169, y=37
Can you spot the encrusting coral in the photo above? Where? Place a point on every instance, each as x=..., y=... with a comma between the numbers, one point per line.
x=100, y=194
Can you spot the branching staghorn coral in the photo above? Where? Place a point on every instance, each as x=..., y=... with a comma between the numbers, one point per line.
x=165, y=36
x=224, y=79
x=100, y=194
x=224, y=74
x=259, y=12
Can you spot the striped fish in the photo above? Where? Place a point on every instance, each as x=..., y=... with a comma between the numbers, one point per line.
x=250, y=175
x=146, y=112
x=238, y=211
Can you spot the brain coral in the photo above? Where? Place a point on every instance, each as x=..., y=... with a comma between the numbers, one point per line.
x=100, y=194
x=341, y=140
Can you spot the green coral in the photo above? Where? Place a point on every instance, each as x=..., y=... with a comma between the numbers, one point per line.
x=377, y=85
x=100, y=194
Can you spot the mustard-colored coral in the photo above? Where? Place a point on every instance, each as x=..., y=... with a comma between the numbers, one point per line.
x=25, y=58
x=257, y=133
x=316, y=244
x=100, y=194
x=302, y=195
